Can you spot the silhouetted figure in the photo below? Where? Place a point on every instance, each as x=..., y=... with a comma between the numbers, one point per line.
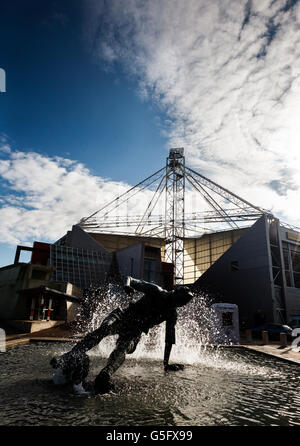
x=156, y=306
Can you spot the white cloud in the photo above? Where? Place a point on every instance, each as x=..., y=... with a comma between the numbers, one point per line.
x=5, y=148
x=45, y=196
x=227, y=74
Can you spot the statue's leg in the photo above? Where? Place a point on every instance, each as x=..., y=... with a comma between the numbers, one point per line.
x=108, y=327
x=125, y=344
x=74, y=365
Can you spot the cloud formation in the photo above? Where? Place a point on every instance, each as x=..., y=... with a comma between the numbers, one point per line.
x=43, y=197
x=227, y=74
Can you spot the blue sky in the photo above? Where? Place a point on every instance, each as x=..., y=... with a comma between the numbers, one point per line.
x=60, y=102
x=97, y=91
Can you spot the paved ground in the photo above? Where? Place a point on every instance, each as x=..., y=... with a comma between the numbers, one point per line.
x=288, y=353
x=59, y=333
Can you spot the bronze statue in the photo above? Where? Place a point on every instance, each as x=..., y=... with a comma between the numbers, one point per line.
x=156, y=306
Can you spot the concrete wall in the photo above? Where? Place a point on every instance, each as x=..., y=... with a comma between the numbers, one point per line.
x=17, y=277
x=37, y=275
x=115, y=242
x=66, y=287
x=12, y=277
x=72, y=310
x=78, y=238
x=131, y=260
x=242, y=275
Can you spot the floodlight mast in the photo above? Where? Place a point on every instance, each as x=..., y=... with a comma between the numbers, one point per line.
x=174, y=212
x=174, y=224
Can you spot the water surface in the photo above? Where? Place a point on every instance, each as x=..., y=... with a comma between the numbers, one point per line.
x=223, y=387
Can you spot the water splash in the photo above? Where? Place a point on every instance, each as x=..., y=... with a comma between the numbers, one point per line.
x=197, y=326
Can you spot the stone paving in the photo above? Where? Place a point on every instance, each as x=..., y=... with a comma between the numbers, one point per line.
x=287, y=353
x=60, y=333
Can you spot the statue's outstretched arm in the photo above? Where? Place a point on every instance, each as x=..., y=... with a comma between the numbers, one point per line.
x=141, y=285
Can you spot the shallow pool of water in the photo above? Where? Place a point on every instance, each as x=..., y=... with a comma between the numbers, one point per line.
x=225, y=387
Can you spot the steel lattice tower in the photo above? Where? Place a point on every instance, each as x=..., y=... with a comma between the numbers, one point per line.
x=174, y=212
x=173, y=226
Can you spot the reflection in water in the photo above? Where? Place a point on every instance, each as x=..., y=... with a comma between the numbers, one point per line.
x=217, y=387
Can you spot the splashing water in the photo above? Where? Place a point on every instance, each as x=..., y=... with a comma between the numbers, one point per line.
x=230, y=386
x=197, y=324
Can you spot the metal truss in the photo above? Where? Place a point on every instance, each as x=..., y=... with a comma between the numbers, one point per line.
x=174, y=212
x=222, y=192
x=160, y=220
x=176, y=224
x=110, y=207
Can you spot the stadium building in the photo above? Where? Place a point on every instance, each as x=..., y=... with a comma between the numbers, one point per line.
x=245, y=257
